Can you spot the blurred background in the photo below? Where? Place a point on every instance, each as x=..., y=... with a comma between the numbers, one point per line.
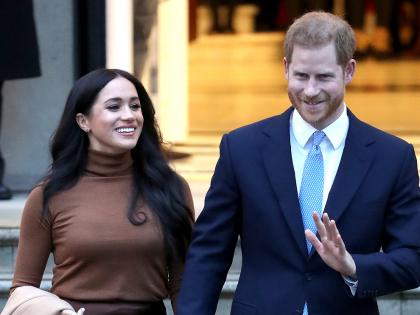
x=209, y=65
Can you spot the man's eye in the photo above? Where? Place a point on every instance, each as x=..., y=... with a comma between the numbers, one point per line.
x=324, y=76
x=301, y=76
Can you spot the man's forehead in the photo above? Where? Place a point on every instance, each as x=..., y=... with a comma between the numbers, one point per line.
x=311, y=54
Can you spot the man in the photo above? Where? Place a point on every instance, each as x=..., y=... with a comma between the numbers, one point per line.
x=273, y=180
x=19, y=56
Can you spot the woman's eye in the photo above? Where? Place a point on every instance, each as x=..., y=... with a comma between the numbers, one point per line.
x=135, y=106
x=113, y=107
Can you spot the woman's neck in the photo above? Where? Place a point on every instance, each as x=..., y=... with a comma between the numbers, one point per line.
x=109, y=164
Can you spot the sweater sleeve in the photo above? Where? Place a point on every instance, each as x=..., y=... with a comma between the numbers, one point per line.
x=35, y=243
x=175, y=266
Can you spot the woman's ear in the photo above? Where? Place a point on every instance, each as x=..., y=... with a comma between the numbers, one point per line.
x=83, y=122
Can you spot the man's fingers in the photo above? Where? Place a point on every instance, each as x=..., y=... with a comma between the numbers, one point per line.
x=341, y=245
x=330, y=246
x=320, y=227
x=335, y=237
x=326, y=221
x=329, y=227
x=313, y=239
x=333, y=230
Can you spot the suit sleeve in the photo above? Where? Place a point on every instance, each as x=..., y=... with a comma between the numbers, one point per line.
x=214, y=238
x=397, y=266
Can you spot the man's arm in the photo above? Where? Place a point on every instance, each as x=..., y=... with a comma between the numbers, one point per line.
x=214, y=238
x=397, y=267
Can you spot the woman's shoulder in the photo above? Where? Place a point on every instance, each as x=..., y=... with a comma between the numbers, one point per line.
x=33, y=209
x=183, y=181
x=36, y=194
x=34, y=201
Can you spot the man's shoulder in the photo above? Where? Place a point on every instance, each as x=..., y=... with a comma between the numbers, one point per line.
x=389, y=143
x=256, y=126
x=261, y=126
x=381, y=135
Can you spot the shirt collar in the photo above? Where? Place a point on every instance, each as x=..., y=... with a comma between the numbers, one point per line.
x=336, y=132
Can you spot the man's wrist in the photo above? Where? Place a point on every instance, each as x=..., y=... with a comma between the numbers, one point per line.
x=352, y=272
x=352, y=277
x=352, y=284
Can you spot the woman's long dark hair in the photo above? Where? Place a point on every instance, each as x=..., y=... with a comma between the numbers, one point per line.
x=155, y=183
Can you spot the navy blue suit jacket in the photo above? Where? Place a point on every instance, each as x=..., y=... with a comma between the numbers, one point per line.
x=374, y=199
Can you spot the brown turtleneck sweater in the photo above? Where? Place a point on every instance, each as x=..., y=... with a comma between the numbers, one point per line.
x=99, y=255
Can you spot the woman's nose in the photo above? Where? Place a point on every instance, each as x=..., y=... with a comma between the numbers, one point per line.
x=127, y=113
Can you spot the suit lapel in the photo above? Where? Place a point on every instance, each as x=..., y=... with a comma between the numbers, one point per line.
x=355, y=162
x=279, y=168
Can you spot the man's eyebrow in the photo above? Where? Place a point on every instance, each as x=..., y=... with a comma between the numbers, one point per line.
x=327, y=73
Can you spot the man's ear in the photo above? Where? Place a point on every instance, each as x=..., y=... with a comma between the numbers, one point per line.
x=83, y=122
x=286, y=68
x=349, y=71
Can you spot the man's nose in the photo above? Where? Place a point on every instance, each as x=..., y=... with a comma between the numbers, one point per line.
x=311, y=88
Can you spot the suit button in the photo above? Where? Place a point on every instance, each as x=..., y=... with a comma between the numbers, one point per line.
x=308, y=276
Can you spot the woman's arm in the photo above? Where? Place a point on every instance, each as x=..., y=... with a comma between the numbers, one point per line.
x=35, y=243
x=175, y=266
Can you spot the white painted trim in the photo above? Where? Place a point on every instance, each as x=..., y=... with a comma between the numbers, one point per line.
x=173, y=69
x=119, y=34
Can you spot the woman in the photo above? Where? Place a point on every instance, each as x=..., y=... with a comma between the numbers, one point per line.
x=115, y=216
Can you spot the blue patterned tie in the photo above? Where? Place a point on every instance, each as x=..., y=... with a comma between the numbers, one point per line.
x=311, y=188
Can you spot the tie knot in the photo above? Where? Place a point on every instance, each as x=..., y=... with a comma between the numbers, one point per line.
x=318, y=136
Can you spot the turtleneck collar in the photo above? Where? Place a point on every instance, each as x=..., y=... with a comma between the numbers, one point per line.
x=109, y=164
